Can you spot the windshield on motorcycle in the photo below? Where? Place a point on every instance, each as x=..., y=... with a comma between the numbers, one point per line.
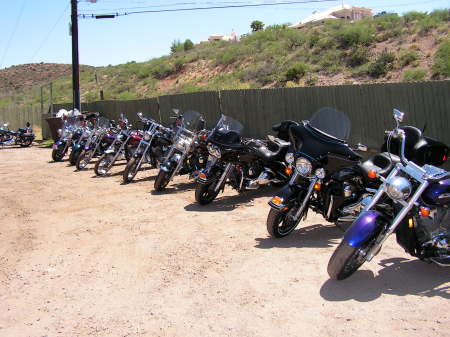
x=332, y=122
x=228, y=131
x=102, y=123
x=192, y=121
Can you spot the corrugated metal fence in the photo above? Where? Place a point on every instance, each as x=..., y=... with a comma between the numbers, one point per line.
x=369, y=107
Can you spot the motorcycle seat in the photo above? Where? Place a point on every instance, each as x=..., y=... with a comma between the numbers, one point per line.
x=381, y=162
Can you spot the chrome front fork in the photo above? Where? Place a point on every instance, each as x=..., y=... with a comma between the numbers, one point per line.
x=224, y=176
x=306, y=199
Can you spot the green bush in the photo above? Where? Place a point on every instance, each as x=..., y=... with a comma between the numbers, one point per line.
x=426, y=24
x=413, y=16
x=296, y=71
x=188, y=45
x=358, y=56
x=355, y=34
x=382, y=64
x=161, y=68
x=441, y=15
x=441, y=64
x=407, y=58
x=388, y=21
x=412, y=75
x=176, y=46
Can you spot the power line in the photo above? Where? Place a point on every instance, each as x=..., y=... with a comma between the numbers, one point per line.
x=93, y=15
x=44, y=41
x=13, y=32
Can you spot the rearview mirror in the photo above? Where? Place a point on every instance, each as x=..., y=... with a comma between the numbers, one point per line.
x=28, y=124
x=361, y=147
x=176, y=111
x=398, y=115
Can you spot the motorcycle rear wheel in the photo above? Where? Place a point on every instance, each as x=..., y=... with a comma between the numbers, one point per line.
x=83, y=159
x=130, y=170
x=204, y=193
x=26, y=142
x=103, y=164
x=345, y=261
x=278, y=224
x=161, y=180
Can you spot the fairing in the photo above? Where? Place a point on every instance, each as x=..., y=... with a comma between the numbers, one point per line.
x=365, y=227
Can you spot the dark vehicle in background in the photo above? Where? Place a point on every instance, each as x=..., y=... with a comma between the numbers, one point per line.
x=243, y=163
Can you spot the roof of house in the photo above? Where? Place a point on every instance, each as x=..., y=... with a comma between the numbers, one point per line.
x=319, y=16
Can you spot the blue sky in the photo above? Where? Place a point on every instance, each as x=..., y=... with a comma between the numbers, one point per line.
x=38, y=30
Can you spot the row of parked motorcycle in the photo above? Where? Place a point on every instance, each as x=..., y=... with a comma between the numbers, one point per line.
x=23, y=137
x=399, y=190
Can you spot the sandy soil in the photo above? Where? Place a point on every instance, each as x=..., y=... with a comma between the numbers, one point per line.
x=87, y=256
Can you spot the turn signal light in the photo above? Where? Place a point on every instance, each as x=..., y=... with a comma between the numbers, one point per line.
x=410, y=223
x=317, y=186
x=288, y=171
x=424, y=211
x=372, y=174
x=277, y=200
x=202, y=176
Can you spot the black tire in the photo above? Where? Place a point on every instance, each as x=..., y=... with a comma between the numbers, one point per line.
x=161, y=180
x=57, y=154
x=82, y=161
x=130, y=170
x=26, y=142
x=345, y=261
x=103, y=164
x=279, y=224
x=74, y=156
x=204, y=193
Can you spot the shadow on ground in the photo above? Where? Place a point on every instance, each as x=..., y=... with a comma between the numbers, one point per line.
x=313, y=236
x=231, y=202
x=399, y=276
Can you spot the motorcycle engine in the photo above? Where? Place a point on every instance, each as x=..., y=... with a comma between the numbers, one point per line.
x=434, y=231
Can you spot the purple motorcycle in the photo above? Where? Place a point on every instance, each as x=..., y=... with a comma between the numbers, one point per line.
x=412, y=201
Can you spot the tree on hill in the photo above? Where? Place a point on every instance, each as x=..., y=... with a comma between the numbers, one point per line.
x=257, y=25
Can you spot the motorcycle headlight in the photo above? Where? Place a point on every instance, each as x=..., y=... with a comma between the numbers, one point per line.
x=59, y=132
x=214, y=150
x=147, y=136
x=320, y=173
x=289, y=158
x=398, y=188
x=303, y=166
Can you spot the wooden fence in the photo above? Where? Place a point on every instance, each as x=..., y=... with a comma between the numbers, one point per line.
x=18, y=116
x=369, y=107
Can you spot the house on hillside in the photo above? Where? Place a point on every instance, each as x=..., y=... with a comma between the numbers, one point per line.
x=345, y=12
x=222, y=37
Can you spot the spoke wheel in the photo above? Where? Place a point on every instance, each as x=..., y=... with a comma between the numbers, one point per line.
x=131, y=170
x=103, y=164
x=280, y=224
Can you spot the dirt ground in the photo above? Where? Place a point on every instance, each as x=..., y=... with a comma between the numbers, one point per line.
x=87, y=256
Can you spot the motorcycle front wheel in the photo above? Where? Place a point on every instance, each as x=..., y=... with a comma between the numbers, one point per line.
x=345, y=261
x=279, y=224
x=57, y=154
x=83, y=159
x=130, y=170
x=103, y=164
x=162, y=180
x=74, y=156
x=204, y=193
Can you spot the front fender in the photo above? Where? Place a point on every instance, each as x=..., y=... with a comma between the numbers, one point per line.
x=287, y=196
x=365, y=227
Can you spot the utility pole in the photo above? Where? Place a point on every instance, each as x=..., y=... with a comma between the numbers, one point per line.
x=75, y=57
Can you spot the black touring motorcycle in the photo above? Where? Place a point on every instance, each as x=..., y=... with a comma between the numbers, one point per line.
x=243, y=163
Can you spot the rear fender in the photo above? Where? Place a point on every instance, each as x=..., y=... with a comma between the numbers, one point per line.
x=287, y=195
x=365, y=227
